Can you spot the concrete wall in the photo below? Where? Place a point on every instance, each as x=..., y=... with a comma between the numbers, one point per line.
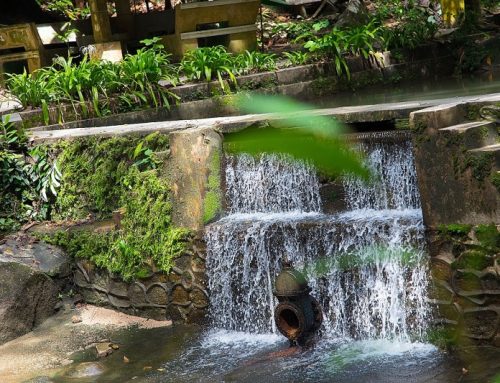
x=457, y=161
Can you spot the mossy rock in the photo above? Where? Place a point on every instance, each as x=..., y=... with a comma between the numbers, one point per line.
x=473, y=259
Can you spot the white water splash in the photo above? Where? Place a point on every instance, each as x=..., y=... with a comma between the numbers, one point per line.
x=367, y=266
x=270, y=184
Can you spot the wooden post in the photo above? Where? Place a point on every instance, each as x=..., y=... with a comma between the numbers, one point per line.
x=100, y=21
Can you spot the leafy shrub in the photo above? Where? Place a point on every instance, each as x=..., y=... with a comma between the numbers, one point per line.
x=29, y=179
x=255, y=62
x=134, y=82
x=207, y=64
x=297, y=57
x=414, y=28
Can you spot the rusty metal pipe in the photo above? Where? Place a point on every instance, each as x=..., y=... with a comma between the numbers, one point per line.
x=298, y=315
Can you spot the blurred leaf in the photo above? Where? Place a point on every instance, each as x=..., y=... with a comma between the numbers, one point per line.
x=301, y=134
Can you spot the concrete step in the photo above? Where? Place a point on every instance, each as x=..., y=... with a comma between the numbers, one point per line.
x=473, y=135
x=493, y=150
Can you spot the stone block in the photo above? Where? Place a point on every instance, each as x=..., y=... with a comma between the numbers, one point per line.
x=110, y=51
x=180, y=297
x=157, y=294
x=481, y=322
x=137, y=294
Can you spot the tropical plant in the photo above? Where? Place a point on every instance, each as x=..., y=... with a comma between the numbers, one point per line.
x=96, y=84
x=360, y=40
x=66, y=8
x=209, y=63
x=333, y=46
x=414, y=28
x=297, y=57
x=140, y=75
x=28, y=177
x=255, y=61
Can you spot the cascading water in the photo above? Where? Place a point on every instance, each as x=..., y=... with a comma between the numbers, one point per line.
x=366, y=265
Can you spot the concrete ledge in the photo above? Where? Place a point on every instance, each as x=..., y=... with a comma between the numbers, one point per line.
x=363, y=113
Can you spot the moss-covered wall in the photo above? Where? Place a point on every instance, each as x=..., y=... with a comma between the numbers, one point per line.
x=457, y=183
x=195, y=170
x=144, y=264
x=457, y=169
x=101, y=175
x=465, y=267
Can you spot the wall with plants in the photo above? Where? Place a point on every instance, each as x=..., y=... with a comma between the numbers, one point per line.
x=464, y=267
x=88, y=179
x=97, y=88
x=28, y=179
x=100, y=175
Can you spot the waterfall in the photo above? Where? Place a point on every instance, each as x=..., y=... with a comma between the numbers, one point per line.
x=366, y=265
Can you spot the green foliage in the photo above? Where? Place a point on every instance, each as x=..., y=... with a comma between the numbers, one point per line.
x=488, y=236
x=28, y=176
x=93, y=170
x=335, y=45
x=299, y=30
x=32, y=89
x=495, y=180
x=411, y=25
x=209, y=63
x=140, y=74
x=469, y=54
x=213, y=200
x=480, y=164
x=454, y=229
x=147, y=239
x=255, y=62
x=99, y=86
x=297, y=57
x=472, y=259
x=66, y=8
x=299, y=133
x=443, y=337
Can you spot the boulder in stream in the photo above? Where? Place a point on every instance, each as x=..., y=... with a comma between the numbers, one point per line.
x=32, y=274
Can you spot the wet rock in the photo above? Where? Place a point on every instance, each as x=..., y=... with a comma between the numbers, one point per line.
x=125, y=359
x=103, y=349
x=31, y=275
x=85, y=370
x=199, y=298
x=118, y=288
x=137, y=294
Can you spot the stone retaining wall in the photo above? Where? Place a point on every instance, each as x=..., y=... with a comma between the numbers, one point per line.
x=466, y=283
x=180, y=296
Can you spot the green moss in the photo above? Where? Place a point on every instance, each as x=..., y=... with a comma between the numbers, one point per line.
x=147, y=239
x=473, y=112
x=443, y=337
x=121, y=173
x=213, y=201
x=488, y=236
x=402, y=124
x=455, y=229
x=480, y=164
x=93, y=169
x=472, y=259
x=419, y=127
x=495, y=180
